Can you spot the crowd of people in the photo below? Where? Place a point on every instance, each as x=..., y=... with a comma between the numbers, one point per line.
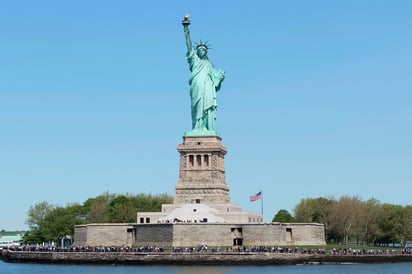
x=205, y=248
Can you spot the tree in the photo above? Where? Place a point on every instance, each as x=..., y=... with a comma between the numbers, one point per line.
x=96, y=208
x=343, y=216
x=369, y=218
x=283, y=216
x=34, y=236
x=37, y=213
x=315, y=210
x=312, y=210
x=60, y=222
x=123, y=208
x=396, y=224
x=52, y=223
x=405, y=226
x=56, y=224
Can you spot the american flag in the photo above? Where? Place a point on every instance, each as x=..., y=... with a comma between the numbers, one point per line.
x=256, y=197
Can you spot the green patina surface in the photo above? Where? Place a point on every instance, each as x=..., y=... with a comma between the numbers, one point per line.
x=201, y=132
x=204, y=83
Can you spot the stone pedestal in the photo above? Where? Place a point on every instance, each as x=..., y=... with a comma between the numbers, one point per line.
x=202, y=171
x=202, y=195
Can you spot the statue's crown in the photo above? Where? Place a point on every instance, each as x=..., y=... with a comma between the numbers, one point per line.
x=203, y=45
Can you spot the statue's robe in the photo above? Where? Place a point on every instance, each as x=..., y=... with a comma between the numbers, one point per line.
x=204, y=82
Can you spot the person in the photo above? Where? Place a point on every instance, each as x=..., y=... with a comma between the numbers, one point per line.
x=204, y=82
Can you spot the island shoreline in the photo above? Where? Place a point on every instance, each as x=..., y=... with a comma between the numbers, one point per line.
x=195, y=258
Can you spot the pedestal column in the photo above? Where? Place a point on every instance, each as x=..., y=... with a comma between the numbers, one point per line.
x=202, y=171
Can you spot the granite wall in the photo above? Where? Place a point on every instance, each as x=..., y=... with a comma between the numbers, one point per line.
x=194, y=234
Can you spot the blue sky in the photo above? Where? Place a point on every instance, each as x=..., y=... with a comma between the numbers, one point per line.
x=94, y=97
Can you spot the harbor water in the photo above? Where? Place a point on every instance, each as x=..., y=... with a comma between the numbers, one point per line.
x=25, y=268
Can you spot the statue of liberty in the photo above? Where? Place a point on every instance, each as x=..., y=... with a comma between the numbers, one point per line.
x=204, y=82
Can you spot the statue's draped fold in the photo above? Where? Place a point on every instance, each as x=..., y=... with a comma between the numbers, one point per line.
x=204, y=82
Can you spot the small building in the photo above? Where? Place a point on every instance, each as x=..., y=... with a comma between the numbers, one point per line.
x=10, y=241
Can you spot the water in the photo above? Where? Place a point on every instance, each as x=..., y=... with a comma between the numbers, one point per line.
x=19, y=268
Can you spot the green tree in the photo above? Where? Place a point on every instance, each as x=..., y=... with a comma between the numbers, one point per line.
x=97, y=208
x=51, y=223
x=61, y=221
x=396, y=225
x=37, y=213
x=123, y=208
x=405, y=226
x=34, y=236
x=56, y=224
x=343, y=216
x=369, y=218
x=388, y=224
x=315, y=210
x=283, y=216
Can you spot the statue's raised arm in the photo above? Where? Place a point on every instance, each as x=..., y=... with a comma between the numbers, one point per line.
x=186, y=23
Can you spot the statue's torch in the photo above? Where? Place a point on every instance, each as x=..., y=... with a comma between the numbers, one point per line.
x=186, y=21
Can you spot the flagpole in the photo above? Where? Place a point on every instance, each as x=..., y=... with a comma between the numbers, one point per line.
x=262, y=203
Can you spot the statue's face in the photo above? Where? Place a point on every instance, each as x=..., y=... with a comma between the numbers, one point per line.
x=201, y=52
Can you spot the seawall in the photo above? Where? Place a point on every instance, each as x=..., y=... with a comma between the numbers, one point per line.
x=196, y=258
